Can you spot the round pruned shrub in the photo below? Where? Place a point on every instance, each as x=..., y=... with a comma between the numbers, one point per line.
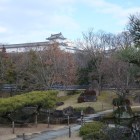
x=89, y=110
x=81, y=99
x=91, y=127
x=87, y=96
x=90, y=92
x=93, y=130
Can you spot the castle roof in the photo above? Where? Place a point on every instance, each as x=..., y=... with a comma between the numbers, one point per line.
x=56, y=36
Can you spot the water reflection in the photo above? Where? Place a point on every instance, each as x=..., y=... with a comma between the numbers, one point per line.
x=135, y=129
x=129, y=128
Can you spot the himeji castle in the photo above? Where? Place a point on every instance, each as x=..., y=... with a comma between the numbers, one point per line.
x=59, y=38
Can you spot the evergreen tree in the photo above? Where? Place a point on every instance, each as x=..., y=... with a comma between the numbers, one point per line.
x=134, y=28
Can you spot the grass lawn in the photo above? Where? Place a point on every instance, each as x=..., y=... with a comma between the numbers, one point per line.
x=104, y=101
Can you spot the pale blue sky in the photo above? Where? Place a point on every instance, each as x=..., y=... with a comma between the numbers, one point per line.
x=34, y=20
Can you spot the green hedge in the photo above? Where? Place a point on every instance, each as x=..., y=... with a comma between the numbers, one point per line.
x=93, y=131
x=96, y=136
x=94, y=127
x=43, y=98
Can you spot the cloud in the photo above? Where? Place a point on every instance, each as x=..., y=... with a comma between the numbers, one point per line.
x=31, y=19
x=117, y=11
x=23, y=18
x=3, y=29
x=63, y=22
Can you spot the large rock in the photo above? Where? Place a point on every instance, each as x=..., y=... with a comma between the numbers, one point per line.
x=68, y=111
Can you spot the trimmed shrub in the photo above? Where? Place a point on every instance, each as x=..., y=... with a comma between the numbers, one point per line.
x=87, y=96
x=45, y=99
x=93, y=131
x=97, y=136
x=89, y=110
x=94, y=127
x=81, y=99
x=90, y=92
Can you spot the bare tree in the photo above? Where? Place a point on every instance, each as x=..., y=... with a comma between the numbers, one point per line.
x=94, y=48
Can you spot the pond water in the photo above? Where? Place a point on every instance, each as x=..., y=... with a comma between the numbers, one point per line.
x=128, y=129
x=122, y=122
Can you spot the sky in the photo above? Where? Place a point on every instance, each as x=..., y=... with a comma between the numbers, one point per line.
x=25, y=21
